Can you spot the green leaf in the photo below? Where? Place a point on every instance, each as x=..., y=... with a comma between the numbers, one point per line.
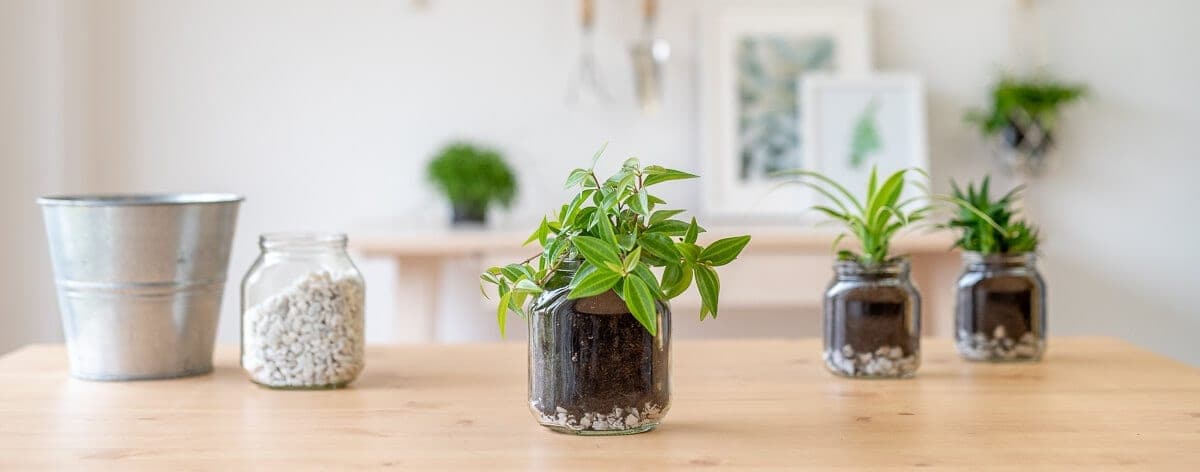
x=513, y=272
x=632, y=259
x=723, y=251
x=640, y=205
x=593, y=283
x=597, y=251
x=599, y=152
x=576, y=177
x=676, y=280
x=693, y=232
x=610, y=200
x=659, y=175
x=662, y=215
x=502, y=311
x=689, y=251
x=604, y=228
x=640, y=300
x=660, y=246
x=527, y=286
x=642, y=270
x=710, y=288
x=668, y=227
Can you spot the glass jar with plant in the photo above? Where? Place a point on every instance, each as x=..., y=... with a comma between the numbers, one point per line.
x=598, y=312
x=473, y=179
x=1000, y=312
x=872, y=310
x=1022, y=118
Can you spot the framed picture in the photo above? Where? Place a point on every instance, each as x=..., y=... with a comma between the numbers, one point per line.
x=754, y=58
x=854, y=123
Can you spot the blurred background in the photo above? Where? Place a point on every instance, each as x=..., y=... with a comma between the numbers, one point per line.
x=325, y=115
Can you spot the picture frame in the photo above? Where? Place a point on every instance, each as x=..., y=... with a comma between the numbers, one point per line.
x=753, y=57
x=856, y=122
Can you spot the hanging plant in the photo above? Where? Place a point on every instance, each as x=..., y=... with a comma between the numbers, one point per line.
x=1023, y=116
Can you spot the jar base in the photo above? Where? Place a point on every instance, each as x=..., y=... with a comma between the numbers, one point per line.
x=642, y=428
x=332, y=386
x=892, y=365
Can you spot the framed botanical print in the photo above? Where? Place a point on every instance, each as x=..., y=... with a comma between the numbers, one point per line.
x=754, y=57
x=854, y=123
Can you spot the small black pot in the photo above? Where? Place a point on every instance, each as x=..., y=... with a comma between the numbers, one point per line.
x=468, y=215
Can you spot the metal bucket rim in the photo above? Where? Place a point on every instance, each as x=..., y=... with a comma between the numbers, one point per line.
x=139, y=199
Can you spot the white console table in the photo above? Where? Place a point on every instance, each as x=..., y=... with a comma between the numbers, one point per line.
x=781, y=269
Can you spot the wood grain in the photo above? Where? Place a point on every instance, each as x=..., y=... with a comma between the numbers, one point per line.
x=1093, y=404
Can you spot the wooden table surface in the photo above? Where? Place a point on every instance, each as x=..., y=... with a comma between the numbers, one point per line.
x=1095, y=403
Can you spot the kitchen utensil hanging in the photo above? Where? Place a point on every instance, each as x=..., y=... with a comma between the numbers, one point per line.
x=587, y=85
x=649, y=54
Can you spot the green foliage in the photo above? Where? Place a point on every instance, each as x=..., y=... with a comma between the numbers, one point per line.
x=1022, y=101
x=873, y=220
x=615, y=228
x=989, y=226
x=472, y=177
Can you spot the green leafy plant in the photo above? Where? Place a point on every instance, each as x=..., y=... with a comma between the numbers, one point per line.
x=472, y=178
x=1020, y=103
x=990, y=226
x=618, y=231
x=874, y=219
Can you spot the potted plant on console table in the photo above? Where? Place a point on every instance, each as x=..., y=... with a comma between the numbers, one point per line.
x=598, y=314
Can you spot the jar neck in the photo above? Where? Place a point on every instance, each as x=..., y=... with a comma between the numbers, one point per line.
x=852, y=270
x=302, y=244
x=999, y=261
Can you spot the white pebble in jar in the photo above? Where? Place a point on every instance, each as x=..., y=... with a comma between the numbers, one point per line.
x=308, y=335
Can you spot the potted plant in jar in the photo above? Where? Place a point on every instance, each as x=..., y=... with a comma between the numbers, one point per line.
x=872, y=311
x=1000, y=312
x=1022, y=119
x=598, y=312
x=472, y=178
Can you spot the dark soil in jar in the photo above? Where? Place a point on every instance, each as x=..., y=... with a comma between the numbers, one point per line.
x=868, y=318
x=594, y=356
x=998, y=301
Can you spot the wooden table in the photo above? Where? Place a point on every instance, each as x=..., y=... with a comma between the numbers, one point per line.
x=1093, y=404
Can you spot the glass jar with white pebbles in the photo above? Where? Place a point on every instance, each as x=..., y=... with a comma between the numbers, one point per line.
x=302, y=313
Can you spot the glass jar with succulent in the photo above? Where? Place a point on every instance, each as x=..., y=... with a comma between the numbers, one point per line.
x=596, y=305
x=1000, y=312
x=872, y=310
x=1022, y=118
x=472, y=178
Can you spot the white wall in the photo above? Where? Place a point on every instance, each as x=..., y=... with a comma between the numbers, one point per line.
x=323, y=113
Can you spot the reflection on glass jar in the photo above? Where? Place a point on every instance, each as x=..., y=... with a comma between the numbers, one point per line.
x=302, y=313
x=1001, y=308
x=593, y=368
x=872, y=321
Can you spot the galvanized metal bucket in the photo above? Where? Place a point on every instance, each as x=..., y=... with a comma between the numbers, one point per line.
x=140, y=279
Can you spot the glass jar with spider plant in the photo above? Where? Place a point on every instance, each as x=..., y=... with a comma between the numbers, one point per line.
x=872, y=310
x=1000, y=310
x=598, y=312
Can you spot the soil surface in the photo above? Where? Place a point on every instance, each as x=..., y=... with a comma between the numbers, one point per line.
x=592, y=355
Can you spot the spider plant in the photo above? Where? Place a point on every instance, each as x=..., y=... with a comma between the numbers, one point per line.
x=990, y=226
x=874, y=219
